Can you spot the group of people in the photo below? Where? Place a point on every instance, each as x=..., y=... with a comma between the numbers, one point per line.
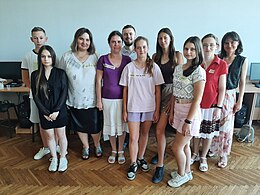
x=126, y=90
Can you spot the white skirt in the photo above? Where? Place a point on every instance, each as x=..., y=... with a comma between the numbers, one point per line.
x=113, y=119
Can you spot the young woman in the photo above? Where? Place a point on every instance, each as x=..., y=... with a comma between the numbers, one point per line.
x=185, y=116
x=231, y=48
x=80, y=66
x=141, y=102
x=167, y=58
x=212, y=100
x=50, y=89
x=110, y=95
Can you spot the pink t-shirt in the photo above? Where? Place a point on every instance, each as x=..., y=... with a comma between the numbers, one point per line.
x=141, y=87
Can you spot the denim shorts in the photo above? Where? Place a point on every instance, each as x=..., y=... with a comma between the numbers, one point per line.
x=140, y=116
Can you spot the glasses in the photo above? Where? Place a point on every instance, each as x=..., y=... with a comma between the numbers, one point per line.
x=209, y=45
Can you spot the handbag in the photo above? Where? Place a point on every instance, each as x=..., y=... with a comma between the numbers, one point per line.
x=246, y=134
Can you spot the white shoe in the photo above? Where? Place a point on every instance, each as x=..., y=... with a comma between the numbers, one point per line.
x=63, y=164
x=53, y=165
x=175, y=173
x=178, y=181
x=41, y=153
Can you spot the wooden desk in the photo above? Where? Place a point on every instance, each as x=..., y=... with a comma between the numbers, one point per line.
x=250, y=97
x=21, y=89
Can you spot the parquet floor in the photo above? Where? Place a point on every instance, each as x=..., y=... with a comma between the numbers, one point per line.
x=21, y=175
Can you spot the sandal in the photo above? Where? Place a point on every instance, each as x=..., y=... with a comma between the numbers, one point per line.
x=195, y=157
x=121, y=157
x=222, y=163
x=99, y=152
x=85, y=153
x=203, y=166
x=112, y=158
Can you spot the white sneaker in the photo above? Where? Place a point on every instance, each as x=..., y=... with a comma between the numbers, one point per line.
x=63, y=164
x=53, y=165
x=175, y=173
x=178, y=181
x=41, y=153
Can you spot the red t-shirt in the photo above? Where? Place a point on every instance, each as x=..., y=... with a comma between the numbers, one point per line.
x=217, y=68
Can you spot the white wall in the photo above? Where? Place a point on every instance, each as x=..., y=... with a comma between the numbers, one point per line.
x=61, y=18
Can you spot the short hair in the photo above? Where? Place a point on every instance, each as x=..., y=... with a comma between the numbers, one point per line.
x=128, y=26
x=113, y=33
x=235, y=37
x=77, y=34
x=36, y=29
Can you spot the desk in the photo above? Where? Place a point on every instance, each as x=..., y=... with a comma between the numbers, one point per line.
x=250, y=97
x=21, y=89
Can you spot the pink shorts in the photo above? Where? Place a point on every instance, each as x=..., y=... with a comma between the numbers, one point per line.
x=180, y=114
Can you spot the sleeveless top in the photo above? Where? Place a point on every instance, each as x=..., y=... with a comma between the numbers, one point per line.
x=167, y=70
x=234, y=71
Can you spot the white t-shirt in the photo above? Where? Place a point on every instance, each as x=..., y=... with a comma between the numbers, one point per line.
x=81, y=80
x=141, y=87
x=183, y=87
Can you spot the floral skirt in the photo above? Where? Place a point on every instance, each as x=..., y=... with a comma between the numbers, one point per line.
x=221, y=145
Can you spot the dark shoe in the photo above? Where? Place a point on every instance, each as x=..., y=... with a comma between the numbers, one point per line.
x=99, y=152
x=143, y=164
x=132, y=171
x=158, y=175
x=154, y=160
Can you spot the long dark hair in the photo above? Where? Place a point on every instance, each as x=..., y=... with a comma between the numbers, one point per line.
x=159, y=51
x=199, y=54
x=41, y=83
x=78, y=33
x=235, y=37
x=149, y=62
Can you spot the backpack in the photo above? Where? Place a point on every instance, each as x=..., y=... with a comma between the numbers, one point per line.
x=246, y=134
x=240, y=117
x=24, y=112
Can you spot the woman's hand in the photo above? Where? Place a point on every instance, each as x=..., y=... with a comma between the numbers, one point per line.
x=99, y=105
x=237, y=107
x=156, y=116
x=171, y=119
x=186, y=129
x=216, y=114
x=125, y=117
x=54, y=116
x=48, y=118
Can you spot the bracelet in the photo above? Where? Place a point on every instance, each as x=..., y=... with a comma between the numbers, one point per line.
x=220, y=107
x=187, y=121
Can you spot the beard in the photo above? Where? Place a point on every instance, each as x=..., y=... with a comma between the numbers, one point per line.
x=128, y=44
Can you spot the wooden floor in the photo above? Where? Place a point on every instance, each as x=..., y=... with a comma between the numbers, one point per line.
x=20, y=174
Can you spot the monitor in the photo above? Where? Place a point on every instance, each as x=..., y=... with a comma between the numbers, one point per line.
x=11, y=70
x=255, y=73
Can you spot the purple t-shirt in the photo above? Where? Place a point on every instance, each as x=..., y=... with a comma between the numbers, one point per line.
x=111, y=76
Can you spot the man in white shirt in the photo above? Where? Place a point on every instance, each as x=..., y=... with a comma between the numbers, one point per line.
x=129, y=35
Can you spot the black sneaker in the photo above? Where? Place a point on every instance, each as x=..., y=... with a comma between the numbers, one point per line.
x=143, y=164
x=158, y=175
x=132, y=171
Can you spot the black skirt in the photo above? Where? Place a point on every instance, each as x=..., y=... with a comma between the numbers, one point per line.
x=85, y=120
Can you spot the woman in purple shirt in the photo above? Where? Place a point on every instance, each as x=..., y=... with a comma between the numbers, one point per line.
x=110, y=95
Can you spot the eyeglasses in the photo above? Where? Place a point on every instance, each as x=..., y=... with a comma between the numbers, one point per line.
x=208, y=45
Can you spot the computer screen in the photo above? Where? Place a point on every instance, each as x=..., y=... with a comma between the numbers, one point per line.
x=255, y=73
x=11, y=70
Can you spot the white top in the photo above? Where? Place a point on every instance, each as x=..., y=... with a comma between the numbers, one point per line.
x=81, y=80
x=183, y=87
x=141, y=87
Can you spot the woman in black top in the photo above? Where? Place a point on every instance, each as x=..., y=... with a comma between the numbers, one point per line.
x=49, y=89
